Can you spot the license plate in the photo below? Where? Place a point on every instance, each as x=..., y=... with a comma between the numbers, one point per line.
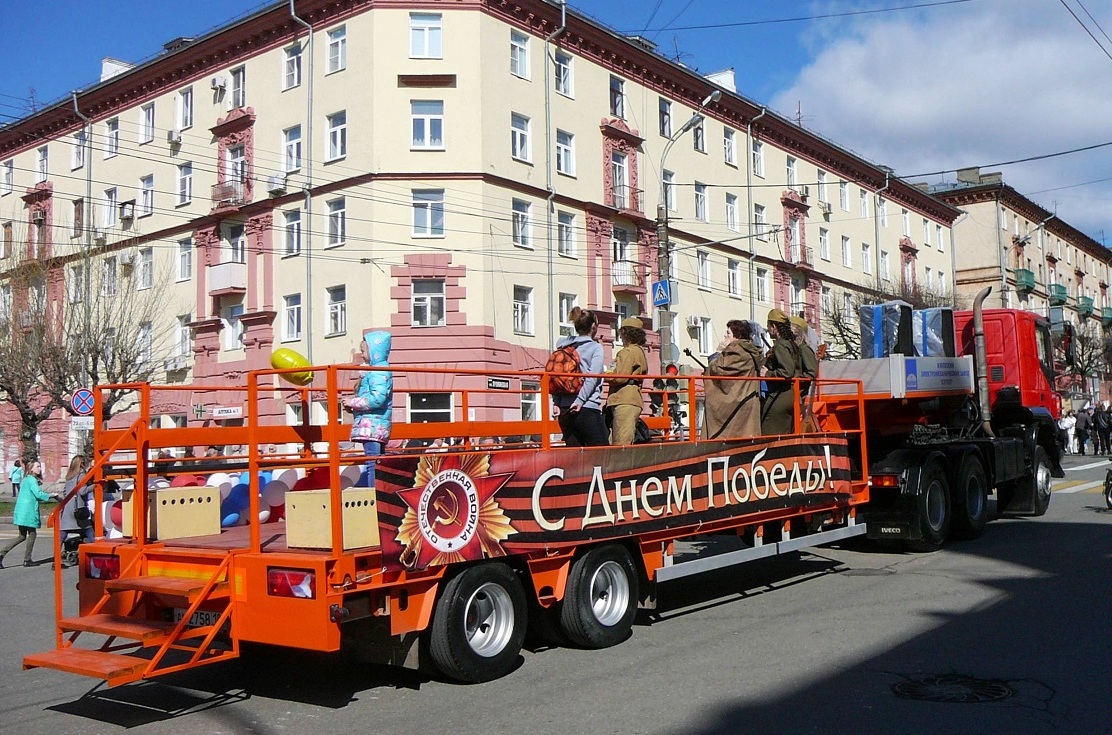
x=199, y=619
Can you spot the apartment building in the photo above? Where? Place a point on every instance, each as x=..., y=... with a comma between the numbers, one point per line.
x=462, y=175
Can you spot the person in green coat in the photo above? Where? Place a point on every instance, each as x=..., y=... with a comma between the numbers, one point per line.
x=783, y=365
x=26, y=515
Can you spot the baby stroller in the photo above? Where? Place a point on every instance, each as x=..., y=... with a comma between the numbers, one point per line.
x=76, y=528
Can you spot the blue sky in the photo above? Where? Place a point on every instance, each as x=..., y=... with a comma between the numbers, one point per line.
x=950, y=84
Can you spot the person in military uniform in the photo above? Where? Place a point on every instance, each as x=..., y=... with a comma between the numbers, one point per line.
x=733, y=407
x=782, y=365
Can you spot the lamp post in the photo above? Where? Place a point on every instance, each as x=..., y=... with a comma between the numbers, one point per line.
x=668, y=351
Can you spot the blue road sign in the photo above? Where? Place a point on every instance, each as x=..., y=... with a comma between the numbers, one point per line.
x=82, y=401
x=662, y=293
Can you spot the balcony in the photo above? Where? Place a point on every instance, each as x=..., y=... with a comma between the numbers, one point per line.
x=1024, y=280
x=227, y=278
x=801, y=257
x=1084, y=306
x=229, y=194
x=1106, y=316
x=624, y=196
x=627, y=275
x=1058, y=294
x=176, y=363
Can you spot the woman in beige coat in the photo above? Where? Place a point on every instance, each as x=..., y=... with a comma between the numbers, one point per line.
x=625, y=393
x=733, y=407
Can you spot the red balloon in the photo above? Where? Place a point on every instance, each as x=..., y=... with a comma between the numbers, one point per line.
x=117, y=514
x=277, y=513
x=187, y=481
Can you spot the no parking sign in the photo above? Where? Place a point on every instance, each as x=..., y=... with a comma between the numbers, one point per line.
x=82, y=401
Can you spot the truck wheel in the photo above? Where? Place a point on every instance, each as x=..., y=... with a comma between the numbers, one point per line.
x=934, y=508
x=1040, y=475
x=1108, y=489
x=600, y=601
x=479, y=624
x=970, y=498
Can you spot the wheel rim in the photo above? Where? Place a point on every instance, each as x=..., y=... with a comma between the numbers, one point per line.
x=609, y=593
x=936, y=505
x=1042, y=477
x=488, y=620
x=974, y=497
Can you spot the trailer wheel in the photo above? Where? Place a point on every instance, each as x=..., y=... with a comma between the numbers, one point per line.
x=970, y=498
x=600, y=601
x=934, y=507
x=479, y=624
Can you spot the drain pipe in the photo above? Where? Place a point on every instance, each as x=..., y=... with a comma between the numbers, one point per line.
x=981, y=360
x=307, y=151
x=550, y=60
x=87, y=214
x=749, y=206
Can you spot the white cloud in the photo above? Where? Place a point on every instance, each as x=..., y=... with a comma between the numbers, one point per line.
x=970, y=84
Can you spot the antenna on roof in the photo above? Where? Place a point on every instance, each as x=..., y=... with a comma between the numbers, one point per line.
x=799, y=118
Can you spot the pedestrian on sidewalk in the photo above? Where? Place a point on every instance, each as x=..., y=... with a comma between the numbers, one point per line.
x=1102, y=427
x=26, y=515
x=1081, y=428
x=16, y=477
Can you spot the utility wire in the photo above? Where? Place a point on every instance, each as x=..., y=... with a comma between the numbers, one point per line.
x=1086, y=28
x=799, y=19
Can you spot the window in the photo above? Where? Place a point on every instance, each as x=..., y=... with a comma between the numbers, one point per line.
x=847, y=252
x=6, y=300
x=568, y=301
x=428, y=302
x=231, y=317
x=703, y=272
x=706, y=338
x=77, y=151
x=76, y=284
x=291, y=67
x=942, y=285
x=185, y=108
x=701, y=202
x=111, y=137
x=185, y=259
x=111, y=211
x=237, y=165
x=425, y=36
x=337, y=310
x=145, y=269
x=565, y=234
x=731, y=212
x=929, y=277
x=519, y=137
x=760, y=221
x=108, y=277
x=938, y=238
x=337, y=50
x=237, y=244
x=729, y=146
x=519, y=54
x=824, y=243
x=826, y=301
x=843, y=195
x=337, y=135
x=185, y=183
x=866, y=258
x=146, y=196
x=864, y=204
x=791, y=174
x=291, y=145
x=337, y=222
x=619, y=246
x=143, y=344
x=78, y=217
x=291, y=225
x=882, y=211
x=821, y=187
x=239, y=86
x=428, y=123
x=42, y=164
x=523, y=310
x=698, y=136
x=905, y=222
x=620, y=174
x=565, y=153
x=522, y=229
x=181, y=336
x=7, y=177
x=669, y=179
x=291, y=317
x=617, y=97
x=664, y=113
x=758, y=158
x=430, y=408
x=926, y=233
x=847, y=304
x=428, y=213
x=146, y=123
x=733, y=277
x=6, y=244
x=563, y=78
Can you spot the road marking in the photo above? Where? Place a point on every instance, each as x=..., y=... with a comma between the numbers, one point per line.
x=1081, y=488
x=1091, y=465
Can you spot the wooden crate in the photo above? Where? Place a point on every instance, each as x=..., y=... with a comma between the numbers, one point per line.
x=177, y=512
x=309, y=519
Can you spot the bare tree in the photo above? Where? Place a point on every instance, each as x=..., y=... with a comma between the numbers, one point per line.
x=841, y=326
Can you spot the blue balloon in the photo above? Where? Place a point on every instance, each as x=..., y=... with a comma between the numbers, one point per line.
x=229, y=520
x=239, y=497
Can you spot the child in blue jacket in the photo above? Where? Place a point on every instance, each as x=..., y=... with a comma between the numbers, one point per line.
x=373, y=402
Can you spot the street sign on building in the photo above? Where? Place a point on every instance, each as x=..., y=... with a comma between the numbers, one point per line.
x=227, y=412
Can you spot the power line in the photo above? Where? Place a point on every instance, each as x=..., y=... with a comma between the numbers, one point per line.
x=801, y=18
x=1086, y=28
x=1040, y=157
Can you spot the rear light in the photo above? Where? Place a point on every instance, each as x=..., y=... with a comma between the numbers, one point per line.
x=291, y=583
x=102, y=566
x=886, y=480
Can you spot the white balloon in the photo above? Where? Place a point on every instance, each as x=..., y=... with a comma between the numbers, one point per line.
x=264, y=515
x=222, y=481
x=106, y=515
x=350, y=475
x=275, y=493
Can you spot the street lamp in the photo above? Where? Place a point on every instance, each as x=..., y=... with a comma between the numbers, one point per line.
x=668, y=350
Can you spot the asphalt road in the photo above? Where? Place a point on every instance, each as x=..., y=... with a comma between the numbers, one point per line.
x=842, y=640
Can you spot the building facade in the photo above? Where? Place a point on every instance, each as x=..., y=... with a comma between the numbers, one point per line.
x=462, y=175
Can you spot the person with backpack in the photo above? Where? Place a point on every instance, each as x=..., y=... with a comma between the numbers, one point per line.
x=580, y=408
x=624, y=399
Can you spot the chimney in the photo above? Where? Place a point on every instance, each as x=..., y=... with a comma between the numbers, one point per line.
x=970, y=175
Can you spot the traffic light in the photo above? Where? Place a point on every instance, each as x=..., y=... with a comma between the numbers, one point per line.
x=666, y=386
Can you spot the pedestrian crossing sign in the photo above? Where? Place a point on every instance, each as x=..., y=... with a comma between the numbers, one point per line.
x=662, y=293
